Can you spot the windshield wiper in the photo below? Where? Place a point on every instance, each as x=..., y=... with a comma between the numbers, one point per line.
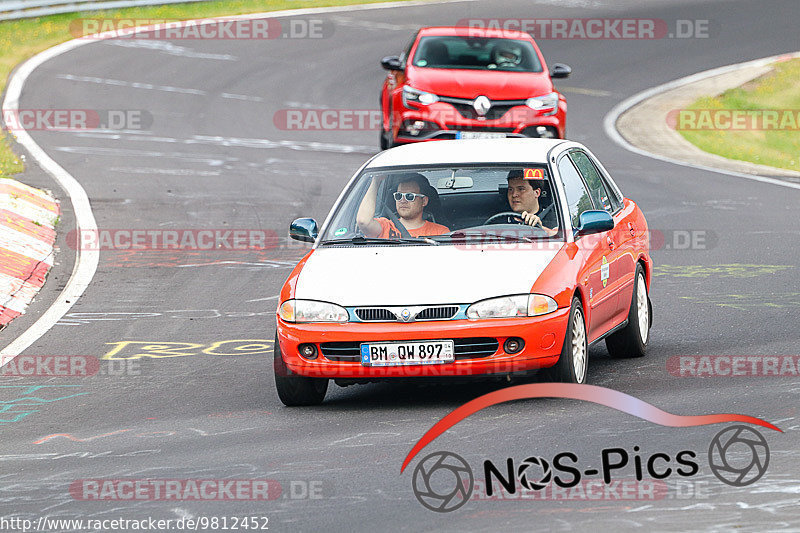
x=360, y=239
x=461, y=236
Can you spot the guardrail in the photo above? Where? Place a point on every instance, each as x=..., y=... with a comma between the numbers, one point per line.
x=20, y=9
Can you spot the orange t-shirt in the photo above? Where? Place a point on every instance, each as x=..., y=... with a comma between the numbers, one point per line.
x=389, y=230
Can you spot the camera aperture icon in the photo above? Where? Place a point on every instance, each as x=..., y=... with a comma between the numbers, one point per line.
x=443, y=482
x=738, y=455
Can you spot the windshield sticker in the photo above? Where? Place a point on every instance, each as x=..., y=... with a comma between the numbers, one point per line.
x=340, y=231
x=533, y=174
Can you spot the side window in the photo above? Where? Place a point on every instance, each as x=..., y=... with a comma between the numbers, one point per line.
x=578, y=199
x=603, y=199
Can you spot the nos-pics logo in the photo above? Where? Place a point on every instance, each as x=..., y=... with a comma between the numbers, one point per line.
x=444, y=481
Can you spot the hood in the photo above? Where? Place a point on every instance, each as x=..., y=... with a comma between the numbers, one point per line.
x=421, y=275
x=473, y=83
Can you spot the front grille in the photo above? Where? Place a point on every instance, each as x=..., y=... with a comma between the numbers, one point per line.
x=466, y=110
x=437, y=313
x=468, y=348
x=376, y=314
x=460, y=127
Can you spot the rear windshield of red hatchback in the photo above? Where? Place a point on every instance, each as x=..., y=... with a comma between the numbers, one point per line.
x=476, y=53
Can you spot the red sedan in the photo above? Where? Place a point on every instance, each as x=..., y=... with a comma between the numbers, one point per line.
x=460, y=83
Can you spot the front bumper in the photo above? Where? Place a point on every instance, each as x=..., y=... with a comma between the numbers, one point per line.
x=543, y=337
x=443, y=121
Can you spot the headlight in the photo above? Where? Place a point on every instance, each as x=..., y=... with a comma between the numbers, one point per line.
x=548, y=102
x=311, y=311
x=512, y=306
x=417, y=97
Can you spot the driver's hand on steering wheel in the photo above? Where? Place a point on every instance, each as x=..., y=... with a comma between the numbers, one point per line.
x=531, y=219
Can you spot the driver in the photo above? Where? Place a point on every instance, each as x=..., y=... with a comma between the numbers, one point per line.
x=410, y=204
x=507, y=57
x=523, y=197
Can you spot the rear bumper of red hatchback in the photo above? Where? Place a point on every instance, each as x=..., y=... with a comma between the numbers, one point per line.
x=479, y=346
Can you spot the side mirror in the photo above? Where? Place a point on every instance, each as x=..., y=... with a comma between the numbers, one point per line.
x=304, y=229
x=392, y=63
x=594, y=222
x=560, y=70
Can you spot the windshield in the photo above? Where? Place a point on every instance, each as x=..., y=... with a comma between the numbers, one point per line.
x=437, y=205
x=477, y=53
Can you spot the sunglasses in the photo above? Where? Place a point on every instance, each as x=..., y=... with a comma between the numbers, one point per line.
x=409, y=196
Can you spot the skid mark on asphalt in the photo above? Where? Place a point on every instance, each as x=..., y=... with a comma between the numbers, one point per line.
x=734, y=270
x=166, y=47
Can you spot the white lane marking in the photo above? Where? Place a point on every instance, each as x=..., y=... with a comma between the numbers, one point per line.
x=166, y=171
x=210, y=140
x=133, y=84
x=86, y=260
x=610, y=120
x=116, y=152
x=166, y=47
x=242, y=97
x=265, y=299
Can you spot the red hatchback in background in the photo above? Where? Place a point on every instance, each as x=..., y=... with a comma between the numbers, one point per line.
x=467, y=83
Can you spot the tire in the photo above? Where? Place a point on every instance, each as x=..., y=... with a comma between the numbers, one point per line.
x=631, y=341
x=294, y=390
x=573, y=362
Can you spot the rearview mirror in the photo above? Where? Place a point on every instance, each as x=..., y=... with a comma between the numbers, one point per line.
x=456, y=182
x=560, y=70
x=304, y=229
x=594, y=222
x=392, y=63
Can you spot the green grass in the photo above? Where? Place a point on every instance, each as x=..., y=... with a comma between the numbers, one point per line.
x=778, y=89
x=22, y=39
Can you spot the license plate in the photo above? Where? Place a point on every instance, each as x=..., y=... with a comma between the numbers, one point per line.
x=480, y=135
x=407, y=353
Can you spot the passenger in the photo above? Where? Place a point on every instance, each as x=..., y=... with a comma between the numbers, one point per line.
x=410, y=204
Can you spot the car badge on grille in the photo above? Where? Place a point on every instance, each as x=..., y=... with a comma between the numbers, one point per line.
x=406, y=315
x=482, y=105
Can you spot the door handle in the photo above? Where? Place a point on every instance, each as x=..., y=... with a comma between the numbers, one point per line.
x=632, y=229
x=610, y=242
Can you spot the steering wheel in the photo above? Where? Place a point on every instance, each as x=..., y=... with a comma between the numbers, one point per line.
x=505, y=214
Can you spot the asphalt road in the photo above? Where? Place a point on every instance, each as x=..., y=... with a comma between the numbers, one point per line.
x=213, y=159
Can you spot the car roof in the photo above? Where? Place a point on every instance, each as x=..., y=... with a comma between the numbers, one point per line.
x=488, y=151
x=465, y=31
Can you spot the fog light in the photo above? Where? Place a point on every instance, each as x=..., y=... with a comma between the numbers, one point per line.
x=513, y=345
x=308, y=351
